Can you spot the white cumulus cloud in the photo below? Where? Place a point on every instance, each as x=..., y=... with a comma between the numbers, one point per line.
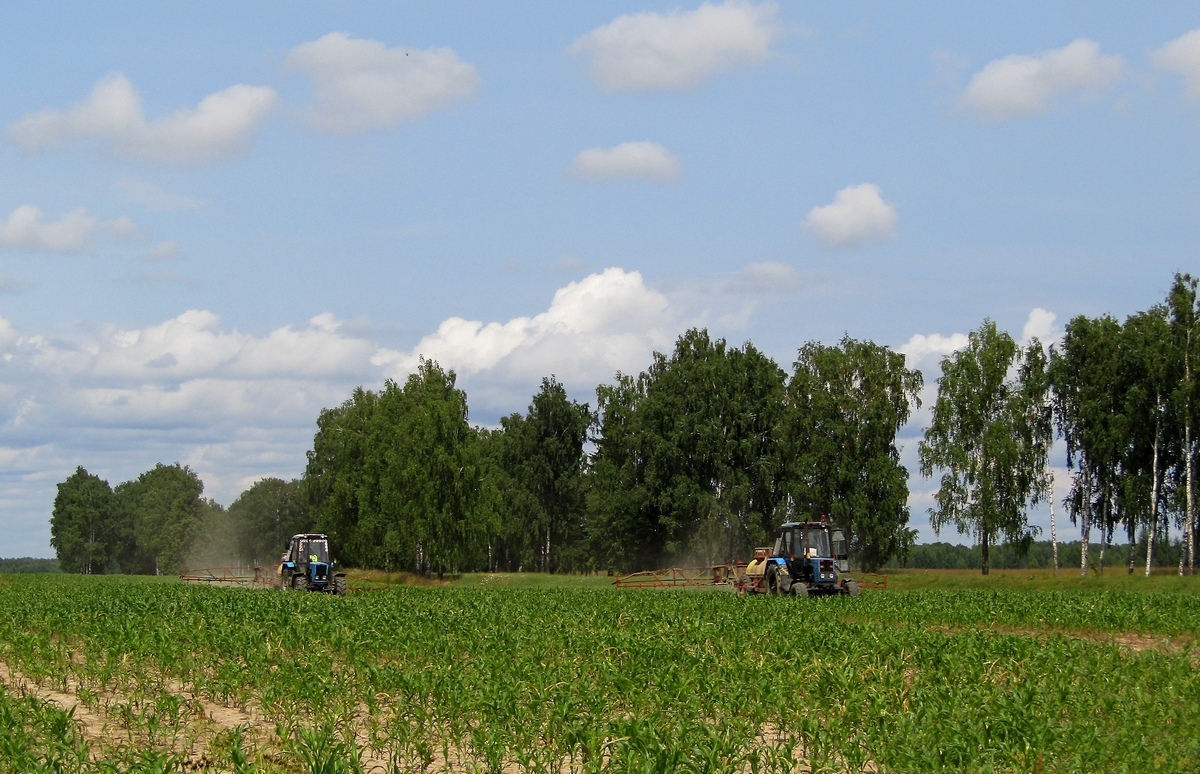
x=1020, y=85
x=27, y=229
x=221, y=125
x=643, y=160
x=650, y=51
x=1182, y=56
x=858, y=214
x=234, y=405
x=361, y=85
x=195, y=346
x=926, y=351
x=603, y=323
x=1040, y=326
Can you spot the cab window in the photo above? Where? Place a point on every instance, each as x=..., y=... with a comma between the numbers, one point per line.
x=839, y=544
x=819, y=540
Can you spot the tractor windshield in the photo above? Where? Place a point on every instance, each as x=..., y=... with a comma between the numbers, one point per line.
x=315, y=551
x=818, y=542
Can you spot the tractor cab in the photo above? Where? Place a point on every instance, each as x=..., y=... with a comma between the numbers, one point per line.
x=813, y=553
x=306, y=563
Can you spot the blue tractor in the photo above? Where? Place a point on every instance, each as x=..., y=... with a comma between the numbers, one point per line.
x=306, y=566
x=808, y=559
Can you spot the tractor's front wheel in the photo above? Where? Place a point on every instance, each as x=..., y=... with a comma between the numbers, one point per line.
x=339, y=585
x=299, y=582
x=851, y=588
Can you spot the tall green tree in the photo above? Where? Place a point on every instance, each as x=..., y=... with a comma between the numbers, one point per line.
x=393, y=476
x=699, y=454
x=501, y=510
x=430, y=475
x=165, y=510
x=1150, y=371
x=340, y=483
x=623, y=527
x=265, y=516
x=542, y=453
x=991, y=456
x=216, y=541
x=1181, y=303
x=846, y=403
x=83, y=524
x=1088, y=397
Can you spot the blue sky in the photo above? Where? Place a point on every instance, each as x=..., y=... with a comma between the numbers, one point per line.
x=218, y=218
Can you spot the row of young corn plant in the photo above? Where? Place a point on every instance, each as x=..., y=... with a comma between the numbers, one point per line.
x=39, y=737
x=470, y=679
x=1142, y=612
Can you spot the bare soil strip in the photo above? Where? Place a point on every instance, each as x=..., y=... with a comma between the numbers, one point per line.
x=91, y=724
x=101, y=729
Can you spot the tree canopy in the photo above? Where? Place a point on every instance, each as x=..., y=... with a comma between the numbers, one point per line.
x=846, y=404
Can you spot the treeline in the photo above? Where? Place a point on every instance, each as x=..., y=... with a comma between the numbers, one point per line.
x=28, y=564
x=698, y=458
x=1124, y=399
x=1122, y=395
x=160, y=522
x=1038, y=555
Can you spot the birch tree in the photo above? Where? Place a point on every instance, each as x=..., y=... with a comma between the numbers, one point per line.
x=542, y=454
x=1088, y=406
x=990, y=455
x=1149, y=370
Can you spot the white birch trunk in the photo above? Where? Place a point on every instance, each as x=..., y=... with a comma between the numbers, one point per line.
x=1085, y=523
x=1189, y=538
x=1053, y=527
x=1153, y=504
x=1187, y=450
x=1105, y=520
x=1185, y=554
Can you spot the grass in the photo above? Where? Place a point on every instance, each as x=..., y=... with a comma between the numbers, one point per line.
x=1113, y=579
x=535, y=580
x=378, y=579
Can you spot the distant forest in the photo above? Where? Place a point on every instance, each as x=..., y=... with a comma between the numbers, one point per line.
x=28, y=564
x=1040, y=555
x=697, y=460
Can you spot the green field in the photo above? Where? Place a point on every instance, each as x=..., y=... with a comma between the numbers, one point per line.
x=525, y=673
